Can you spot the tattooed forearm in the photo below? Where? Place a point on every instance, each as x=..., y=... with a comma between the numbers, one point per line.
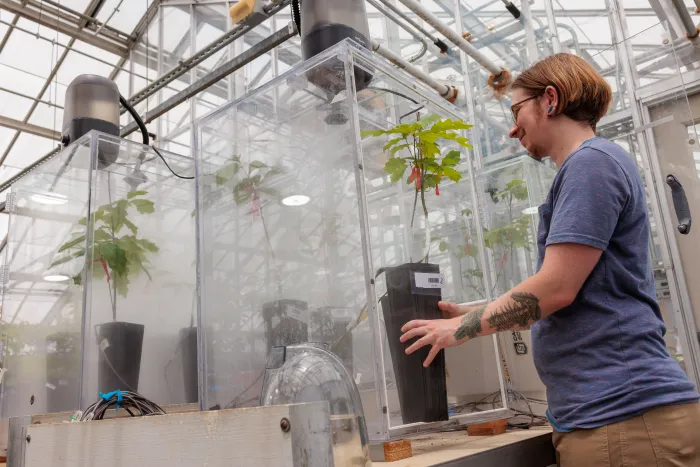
x=520, y=313
x=471, y=324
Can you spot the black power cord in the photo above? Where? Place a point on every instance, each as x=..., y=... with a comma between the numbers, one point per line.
x=144, y=132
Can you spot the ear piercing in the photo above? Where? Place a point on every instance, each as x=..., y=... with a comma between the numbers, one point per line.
x=550, y=110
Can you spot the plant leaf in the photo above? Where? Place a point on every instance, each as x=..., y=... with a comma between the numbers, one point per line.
x=392, y=142
x=149, y=245
x=144, y=206
x=447, y=124
x=134, y=194
x=131, y=226
x=452, y=174
x=429, y=180
x=257, y=165
x=227, y=172
x=398, y=148
x=396, y=168
x=115, y=257
x=367, y=133
x=72, y=243
x=121, y=282
x=443, y=246
x=451, y=159
x=428, y=120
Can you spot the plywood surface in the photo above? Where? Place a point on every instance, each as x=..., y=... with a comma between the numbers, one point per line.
x=434, y=448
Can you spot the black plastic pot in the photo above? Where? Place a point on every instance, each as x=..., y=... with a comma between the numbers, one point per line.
x=285, y=323
x=62, y=368
x=188, y=344
x=119, y=356
x=422, y=391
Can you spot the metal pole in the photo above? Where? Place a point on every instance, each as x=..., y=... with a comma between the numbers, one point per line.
x=530, y=38
x=552, y=23
x=215, y=76
x=439, y=43
x=187, y=65
x=455, y=38
x=690, y=29
x=448, y=92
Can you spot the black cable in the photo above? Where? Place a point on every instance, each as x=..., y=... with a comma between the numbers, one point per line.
x=296, y=14
x=394, y=92
x=144, y=132
x=129, y=401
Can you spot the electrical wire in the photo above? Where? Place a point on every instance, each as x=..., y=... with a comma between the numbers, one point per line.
x=126, y=400
x=144, y=133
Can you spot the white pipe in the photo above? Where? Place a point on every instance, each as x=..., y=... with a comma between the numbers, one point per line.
x=445, y=30
x=448, y=92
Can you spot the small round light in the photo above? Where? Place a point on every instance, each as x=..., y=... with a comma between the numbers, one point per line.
x=296, y=200
x=56, y=278
x=530, y=211
x=49, y=198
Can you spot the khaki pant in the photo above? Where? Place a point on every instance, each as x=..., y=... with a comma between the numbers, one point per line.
x=666, y=436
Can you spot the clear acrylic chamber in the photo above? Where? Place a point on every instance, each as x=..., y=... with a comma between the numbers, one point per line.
x=511, y=193
x=297, y=220
x=99, y=279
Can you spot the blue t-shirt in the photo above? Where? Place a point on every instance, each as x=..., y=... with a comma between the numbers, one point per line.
x=603, y=358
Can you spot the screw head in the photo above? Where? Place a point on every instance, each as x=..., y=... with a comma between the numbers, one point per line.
x=285, y=425
x=29, y=438
x=691, y=141
x=665, y=41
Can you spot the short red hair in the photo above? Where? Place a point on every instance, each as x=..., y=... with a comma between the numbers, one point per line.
x=584, y=95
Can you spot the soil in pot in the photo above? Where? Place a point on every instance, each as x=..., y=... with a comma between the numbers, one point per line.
x=422, y=391
x=119, y=362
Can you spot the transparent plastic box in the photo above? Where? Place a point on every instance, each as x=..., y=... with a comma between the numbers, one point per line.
x=511, y=192
x=303, y=237
x=99, y=279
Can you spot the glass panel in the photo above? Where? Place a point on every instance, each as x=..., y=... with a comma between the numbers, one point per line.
x=110, y=251
x=294, y=233
x=672, y=137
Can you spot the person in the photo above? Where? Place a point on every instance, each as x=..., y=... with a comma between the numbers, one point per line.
x=615, y=396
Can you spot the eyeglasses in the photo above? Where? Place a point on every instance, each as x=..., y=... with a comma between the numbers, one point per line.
x=515, y=108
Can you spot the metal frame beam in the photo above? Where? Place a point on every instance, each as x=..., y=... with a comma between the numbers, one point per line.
x=92, y=9
x=59, y=24
x=29, y=128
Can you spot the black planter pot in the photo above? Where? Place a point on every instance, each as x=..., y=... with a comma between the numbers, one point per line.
x=422, y=391
x=188, y=344
x=119, y=361
x=62, y=378
x=284, y=323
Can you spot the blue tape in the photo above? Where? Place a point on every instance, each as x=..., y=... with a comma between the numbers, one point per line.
x=109, y=396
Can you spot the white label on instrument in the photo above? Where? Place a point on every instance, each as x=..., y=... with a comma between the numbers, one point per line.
x=427, y=280
x=51, y=386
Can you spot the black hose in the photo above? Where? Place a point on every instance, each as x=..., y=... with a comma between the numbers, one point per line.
x=137, y=118
x=296, y=14
x=144, y=132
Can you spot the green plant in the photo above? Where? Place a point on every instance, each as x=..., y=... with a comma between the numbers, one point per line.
x=500, y=241
x=248, y=182
x=421, y=140
x=116, y=246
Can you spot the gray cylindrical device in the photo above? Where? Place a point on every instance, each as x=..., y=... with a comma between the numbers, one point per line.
x=324, y=23
x=92, y=103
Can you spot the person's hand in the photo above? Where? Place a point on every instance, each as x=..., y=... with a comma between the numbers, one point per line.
x=452, y=310
x=439, y=333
